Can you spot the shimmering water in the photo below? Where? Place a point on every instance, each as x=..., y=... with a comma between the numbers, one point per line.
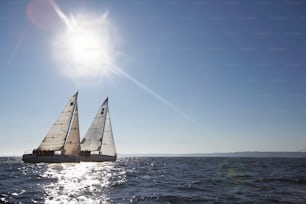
x=156, y=180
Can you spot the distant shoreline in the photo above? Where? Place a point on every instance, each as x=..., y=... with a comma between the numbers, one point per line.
x=231, y=154
x=255, y=154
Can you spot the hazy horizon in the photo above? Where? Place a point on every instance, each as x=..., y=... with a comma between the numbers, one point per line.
x=208, y=154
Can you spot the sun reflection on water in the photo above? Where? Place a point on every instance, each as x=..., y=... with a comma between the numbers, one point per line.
x=82, y=182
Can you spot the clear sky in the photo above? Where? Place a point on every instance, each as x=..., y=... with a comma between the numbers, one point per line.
x=181, y=76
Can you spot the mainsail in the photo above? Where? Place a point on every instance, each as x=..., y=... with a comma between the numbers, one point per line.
x=99, y=136
x=72, y=145
x=56, y=137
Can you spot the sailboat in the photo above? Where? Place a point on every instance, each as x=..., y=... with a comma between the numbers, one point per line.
x=62, y=142
x=98, y=144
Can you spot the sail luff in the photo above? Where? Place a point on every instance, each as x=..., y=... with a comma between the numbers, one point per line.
x=56, y=137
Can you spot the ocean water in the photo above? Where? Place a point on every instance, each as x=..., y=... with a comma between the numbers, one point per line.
x=156, y=180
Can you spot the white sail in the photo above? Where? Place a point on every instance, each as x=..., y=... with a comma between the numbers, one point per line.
x=108, y=145
x=56, y=136
x=72, y=145
x=93, y=137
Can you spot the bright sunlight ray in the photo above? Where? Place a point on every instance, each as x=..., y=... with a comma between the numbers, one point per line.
x=152, y=93
x=86, y=52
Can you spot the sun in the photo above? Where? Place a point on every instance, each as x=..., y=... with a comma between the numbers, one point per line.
x=83, y=46
x=86, y=49
x=87, y=53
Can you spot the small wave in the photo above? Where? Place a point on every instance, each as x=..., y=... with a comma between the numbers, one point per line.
x=296, y=180
x=155, y=180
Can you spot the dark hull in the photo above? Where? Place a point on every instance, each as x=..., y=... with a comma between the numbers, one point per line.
x=98, y=158
x=33, y=158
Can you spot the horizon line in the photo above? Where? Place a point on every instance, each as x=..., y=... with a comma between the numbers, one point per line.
x=182, y=154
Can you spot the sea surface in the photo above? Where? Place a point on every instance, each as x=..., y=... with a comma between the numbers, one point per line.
x=156, y=180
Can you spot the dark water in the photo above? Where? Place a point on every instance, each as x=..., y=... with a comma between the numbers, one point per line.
x=156, y=180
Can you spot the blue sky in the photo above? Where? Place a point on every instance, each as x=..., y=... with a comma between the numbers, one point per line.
x=199, y=76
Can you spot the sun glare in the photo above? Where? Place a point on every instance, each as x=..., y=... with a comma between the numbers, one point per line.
x=85, y=50
x=82, y=46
